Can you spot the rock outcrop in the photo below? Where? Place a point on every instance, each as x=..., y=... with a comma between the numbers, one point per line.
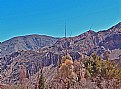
x=35, y=51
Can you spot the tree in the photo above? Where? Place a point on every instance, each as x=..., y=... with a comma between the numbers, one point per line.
x=90, y=66
x=41, y=84
x=67, y=71
x=103, y=70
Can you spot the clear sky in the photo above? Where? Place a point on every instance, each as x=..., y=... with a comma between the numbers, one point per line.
x=48, y=17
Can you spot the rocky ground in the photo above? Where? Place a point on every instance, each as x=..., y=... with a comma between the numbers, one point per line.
x=35, y=51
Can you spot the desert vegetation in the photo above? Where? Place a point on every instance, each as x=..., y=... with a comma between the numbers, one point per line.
x=93, y=72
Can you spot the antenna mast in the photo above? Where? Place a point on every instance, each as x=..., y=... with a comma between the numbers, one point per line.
x=65, y=30
x=91, y=27
x=65, y=39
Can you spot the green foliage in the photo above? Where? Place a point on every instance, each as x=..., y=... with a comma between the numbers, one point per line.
x=90, y=67
x=97, y=66
x=41, y=81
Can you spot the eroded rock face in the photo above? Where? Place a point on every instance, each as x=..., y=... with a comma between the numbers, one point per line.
x=35, y=51
x=29, y=42
x=112, y=42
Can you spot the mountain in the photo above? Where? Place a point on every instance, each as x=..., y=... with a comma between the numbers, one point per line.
x=29, y=42
x=35, y=51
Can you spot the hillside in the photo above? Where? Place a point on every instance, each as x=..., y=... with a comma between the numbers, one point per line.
x=29, y=42
x=35, y=51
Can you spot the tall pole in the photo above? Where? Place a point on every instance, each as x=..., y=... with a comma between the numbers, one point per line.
x=65, y=39
x=65, y=30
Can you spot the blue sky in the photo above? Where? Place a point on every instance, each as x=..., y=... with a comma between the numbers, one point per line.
x=48, y=17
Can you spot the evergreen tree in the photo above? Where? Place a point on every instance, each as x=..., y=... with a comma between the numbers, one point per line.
x=41, y=84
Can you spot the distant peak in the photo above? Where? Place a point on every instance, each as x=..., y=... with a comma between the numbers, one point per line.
x=118, y=25
x=116, y=28
x=91, y=31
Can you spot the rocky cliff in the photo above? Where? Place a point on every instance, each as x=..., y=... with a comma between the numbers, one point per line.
x=29, y=42
x=35, y=51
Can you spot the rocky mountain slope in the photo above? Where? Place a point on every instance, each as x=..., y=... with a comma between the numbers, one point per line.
x=29, y=42
x=35, y=51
